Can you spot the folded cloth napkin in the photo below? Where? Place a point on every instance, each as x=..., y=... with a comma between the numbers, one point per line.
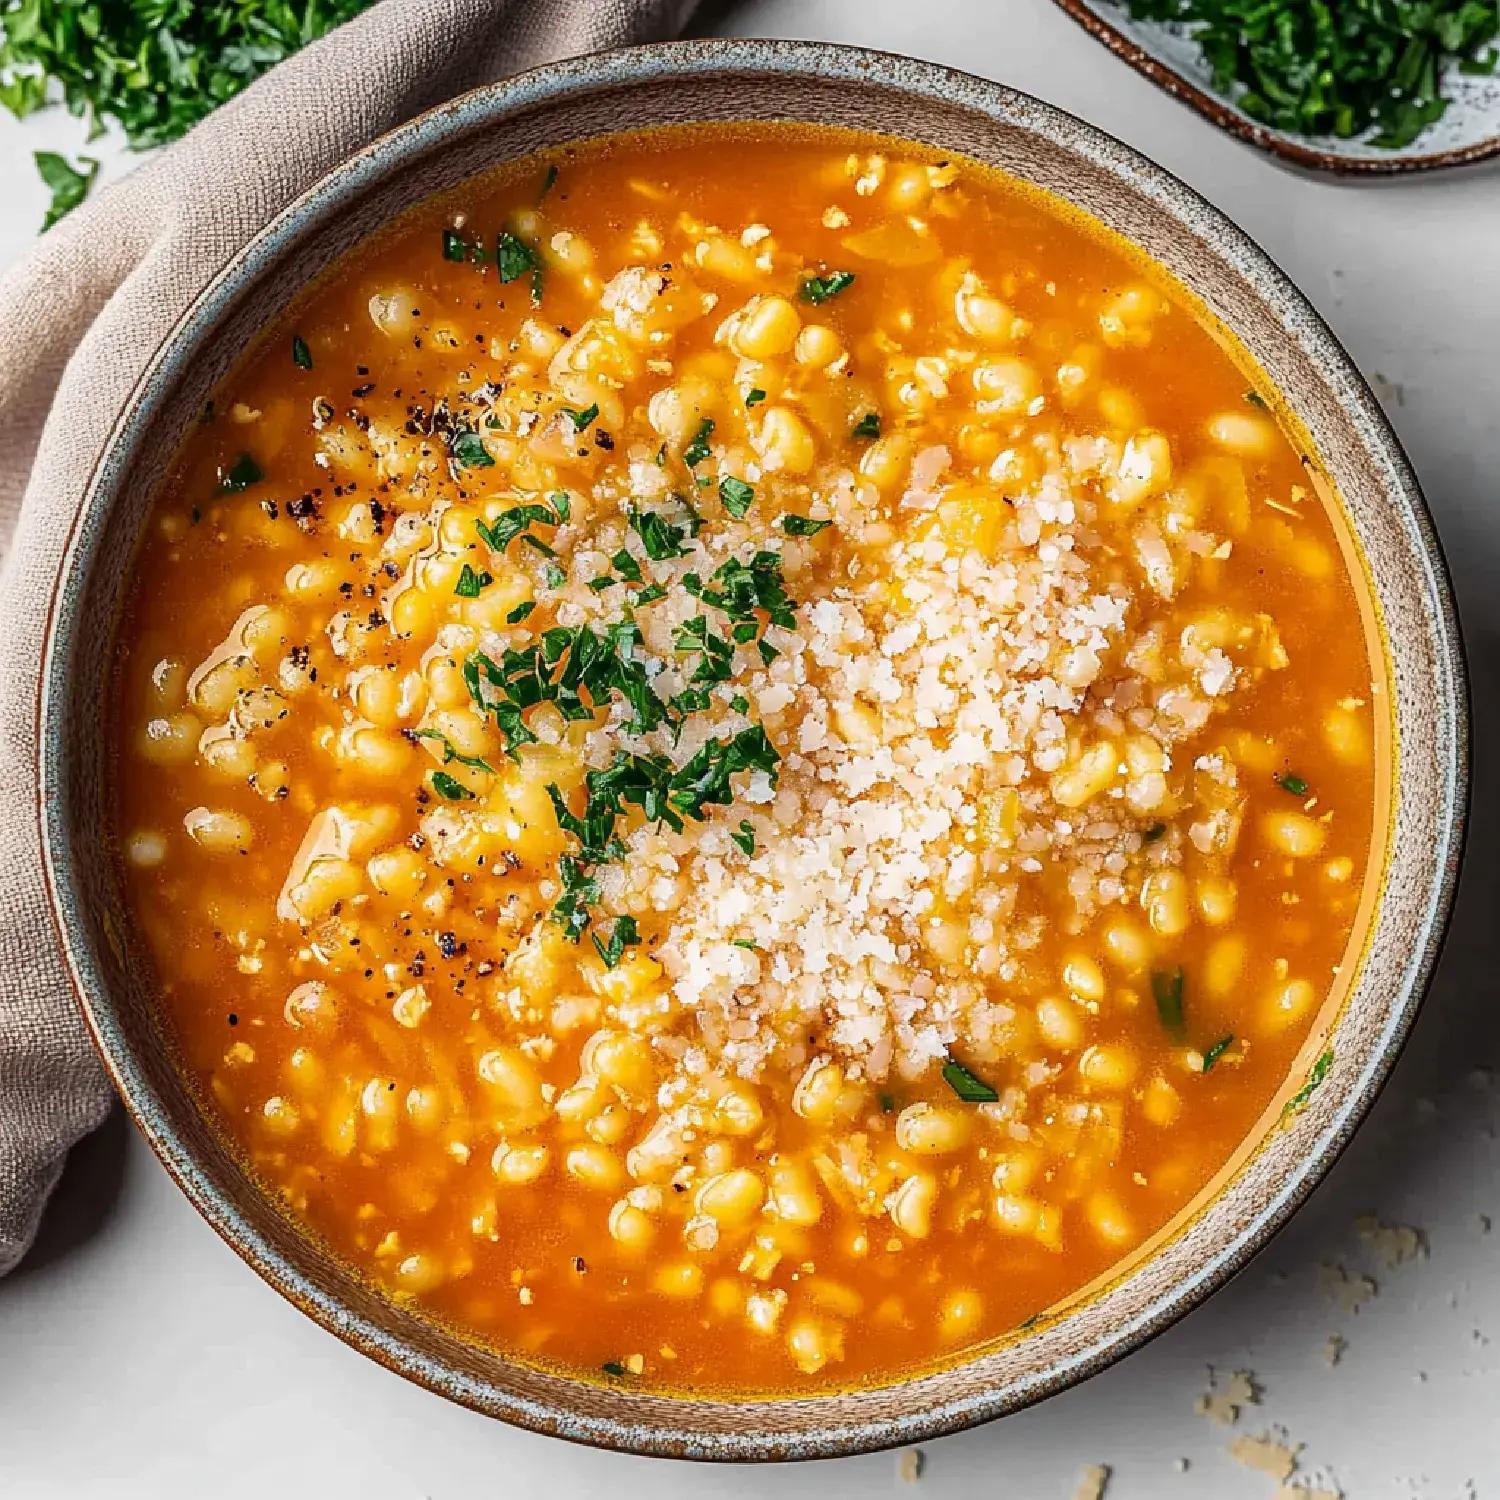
x=79, y=319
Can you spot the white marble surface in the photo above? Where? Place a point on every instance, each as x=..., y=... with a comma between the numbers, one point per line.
x=140, y=1358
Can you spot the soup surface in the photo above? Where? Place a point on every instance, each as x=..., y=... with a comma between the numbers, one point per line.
x=744, y=758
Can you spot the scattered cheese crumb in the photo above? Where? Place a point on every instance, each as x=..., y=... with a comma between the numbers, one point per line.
x=1395, y=1244
x=1333, y=1348
x=1221, y=1403
x=1270, y=1454
x=1350, y=1292
x=1092, y=1482
x=909, y=1464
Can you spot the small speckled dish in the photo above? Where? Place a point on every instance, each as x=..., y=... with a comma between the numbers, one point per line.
x=1469, y=130
x=1406, y=614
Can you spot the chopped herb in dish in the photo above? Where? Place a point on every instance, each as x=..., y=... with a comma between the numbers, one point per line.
x=1372, y=69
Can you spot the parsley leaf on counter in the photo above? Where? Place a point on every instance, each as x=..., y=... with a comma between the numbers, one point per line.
x=69, y=185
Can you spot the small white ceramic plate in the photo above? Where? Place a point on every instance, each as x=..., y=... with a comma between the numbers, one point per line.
x=1468, y=131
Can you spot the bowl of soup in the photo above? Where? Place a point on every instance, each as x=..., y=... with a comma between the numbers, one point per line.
x=750, y=751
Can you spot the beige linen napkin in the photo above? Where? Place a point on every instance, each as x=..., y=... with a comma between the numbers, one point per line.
x=78, y=321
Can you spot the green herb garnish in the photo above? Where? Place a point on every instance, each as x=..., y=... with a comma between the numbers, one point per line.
x=627, y=567
x=625, y=935
x=445, y=786
x=242, y=474
x=555, y=577
x=649, y=595
x=744, y=836
x=455, y=246
x=818, y=289
x=970, y=1088
x=548, y=182
x=520, y=612
x=802, y=525
x=471, y=584
x=743, y=943
x=301, y=354
x=755, y=397
x=466, y=447
x=516, y=521
x=1293, y=784
x=612, y=1367
x=582, y=419
x=697, y=450
x=658, y=536
x=69, y=185
x=1315, y=1077
x=1166, y=986
x=868, y=425
x=514, y=257
x=736, y=495
x=1348, y=68
x=450, y=754
x=1217, y=1051
x=1256, y=399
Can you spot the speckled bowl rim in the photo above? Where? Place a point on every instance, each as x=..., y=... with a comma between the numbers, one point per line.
x=916, y=1408
x=1291, y=149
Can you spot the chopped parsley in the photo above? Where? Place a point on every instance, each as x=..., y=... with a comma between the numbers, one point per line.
x=665, y=793
x=744, y=836
x=627, y=567
x=612, y=1367
x=466, y=447
x=736, y=495
x=1340, y=69
x=582, y=419
x=868, y=425
x=802, y=525
x=1293, y=784
x=555, y=576
x=514, y=257
x=450, y=754
x=649, y=595
x=445, y=786
x=744, y=589
x=968, y=1086
x=818, y=289
x=455, y=246
x=242, y=474
x=697, y=450
x=520, y=612
x=1256, y=399
x=755, y=397
x=301, y=354
x=658, y=536
x=1315, y=1077
x=1166, y=987
x=625, y=935
x=517, y=521
x=744, y=943
x=548, y=182
x=152, y=69
x=471, y=584
x=1217, y=1051
x=69, y=185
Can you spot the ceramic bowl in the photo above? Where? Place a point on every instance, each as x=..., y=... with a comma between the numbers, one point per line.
x=1409, y=609
x=1164, y=52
